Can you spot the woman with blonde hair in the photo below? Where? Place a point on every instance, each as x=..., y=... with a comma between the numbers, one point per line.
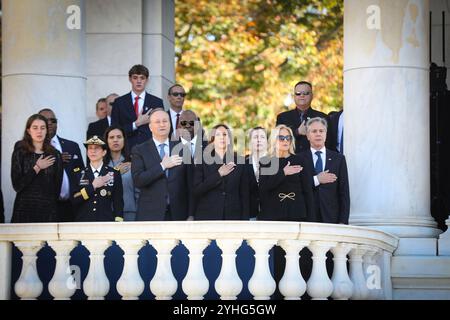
x=285, y=187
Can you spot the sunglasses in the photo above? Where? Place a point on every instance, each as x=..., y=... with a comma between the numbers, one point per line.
x=283, y=138
x=305, y=93
x=178, y=94
x=184, y=123
x=52, y=120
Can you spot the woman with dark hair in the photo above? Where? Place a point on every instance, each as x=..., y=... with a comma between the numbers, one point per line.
x=117, y=157
x=221, y=181
x=36, y=174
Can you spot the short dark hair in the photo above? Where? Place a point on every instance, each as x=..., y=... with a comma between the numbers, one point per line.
x=139, y=69
x=304, y=82
x=98, y=102
x=45, y=110
x=173, y=86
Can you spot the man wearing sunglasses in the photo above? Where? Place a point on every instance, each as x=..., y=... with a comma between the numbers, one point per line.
x=71, y=156
x=296, y=119
x=176, y=97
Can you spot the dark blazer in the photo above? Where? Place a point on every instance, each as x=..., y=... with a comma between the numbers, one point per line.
x=332, y=131
x=285, y=198
x=97, y=128
x=193, y=159
x=332, y=200
x=72, y=148
x=156, y=187
x=102, y=204
x=292, y=120
x=221, y=198
x=254, y=204
x=123, y=115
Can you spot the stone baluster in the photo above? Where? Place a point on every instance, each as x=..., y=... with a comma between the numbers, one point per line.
x=163, y=285
x=62, y=286
x=29, y=286
x=372, y=272
x=130, y=284
x=261, y=285
x=292, y=285
x=342, y=285
x=195, y=284
x=360, y=290
x=228, y=285
x=319, y=284
x=5, y=270
x=96, y=284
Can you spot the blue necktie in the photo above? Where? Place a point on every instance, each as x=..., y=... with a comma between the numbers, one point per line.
x=162, y=154
x=319, y=164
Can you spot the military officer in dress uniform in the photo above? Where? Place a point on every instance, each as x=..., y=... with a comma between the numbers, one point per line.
x=97, y=189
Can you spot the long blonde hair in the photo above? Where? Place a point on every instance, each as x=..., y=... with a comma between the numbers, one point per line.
x=274, y=138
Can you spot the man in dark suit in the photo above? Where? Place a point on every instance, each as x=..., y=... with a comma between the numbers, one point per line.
x=335, y=132
x=330, y=176
x=175, y=96
x=296, y=119
x=131, y=111
x=98, y=128
x=191, y=136
x=159, y=173
x=71, y=156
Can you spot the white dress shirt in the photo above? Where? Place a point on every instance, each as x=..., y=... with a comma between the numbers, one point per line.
x=193, y=143
x=96, y=169
x=140, y=103
x=173, y=118
x=65, y=187
x=323, y=155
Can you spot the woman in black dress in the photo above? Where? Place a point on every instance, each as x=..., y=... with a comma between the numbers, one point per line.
x=220, y=181
x=36, y=174
x=285, y=187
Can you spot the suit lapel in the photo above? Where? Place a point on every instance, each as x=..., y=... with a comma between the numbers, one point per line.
x=147, y=102
x=329, y=160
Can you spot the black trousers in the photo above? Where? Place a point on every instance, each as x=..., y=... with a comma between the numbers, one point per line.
x=65, y=212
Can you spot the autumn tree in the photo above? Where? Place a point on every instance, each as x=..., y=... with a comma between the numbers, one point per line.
x=239, y=60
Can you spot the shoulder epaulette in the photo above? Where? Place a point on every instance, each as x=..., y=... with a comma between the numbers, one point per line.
x=76, y=169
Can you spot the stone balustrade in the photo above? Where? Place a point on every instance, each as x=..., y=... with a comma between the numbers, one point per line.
x=365, y=275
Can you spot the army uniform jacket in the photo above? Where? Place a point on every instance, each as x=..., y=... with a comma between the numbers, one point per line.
x=104, y=203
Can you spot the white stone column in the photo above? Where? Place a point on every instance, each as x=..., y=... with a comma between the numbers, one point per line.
x=228, y=285
x=96, y=284
x=29, y=286
x=319, y=284
x=114, y=45
x=292, y=285
x=158, y=45
x=386, y=102
x=62, y=286
x=261, y=285
x=130, y=285
x=164, y=285
x=43, y=66
x=5, y=270
x=195, y=284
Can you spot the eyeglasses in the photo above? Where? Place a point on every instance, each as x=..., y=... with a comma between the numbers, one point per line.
x=184, y=123
x=178, y=94
x=305, y=93
x=52, y=120
x=284, y=138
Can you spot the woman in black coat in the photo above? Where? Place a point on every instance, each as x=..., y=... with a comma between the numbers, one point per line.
x=285, y=187
x=220, y=181
x=36, y=174
x=258, y=150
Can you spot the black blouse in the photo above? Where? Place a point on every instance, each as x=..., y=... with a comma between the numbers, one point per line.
x=285, y=198
x=36, y=193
